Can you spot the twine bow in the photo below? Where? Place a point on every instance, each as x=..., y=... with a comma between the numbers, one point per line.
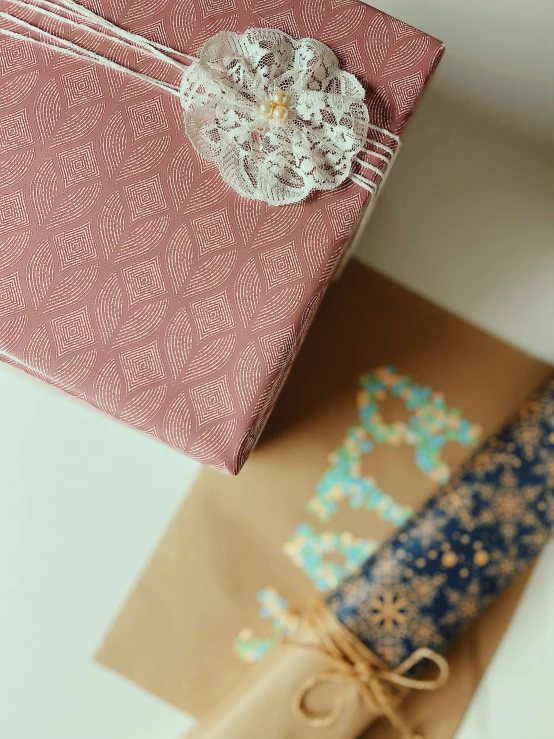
x=354, y=663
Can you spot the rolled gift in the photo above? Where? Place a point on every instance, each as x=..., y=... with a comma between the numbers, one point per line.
x=466, y=544
x=354, y=656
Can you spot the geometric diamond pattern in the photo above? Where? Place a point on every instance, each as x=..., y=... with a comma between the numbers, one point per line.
x=76, y=246
x=146, y=198
x=13, y=212
x=212, y=400
x=147, y=118
x=73, y=331
x=213, y=315
x=278, y=347
x=15, y=131
x=82, y=86
x=214, y=231
x=12, y=299
x=142, y=366
x=16, y=57
x=217, y=7
x=281, y=265
x=144, y=281
x=79, y=165
x=406, y=90
x=130, y=273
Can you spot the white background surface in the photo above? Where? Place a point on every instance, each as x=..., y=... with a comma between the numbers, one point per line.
x=467, y=220
x=499, y=57
x=83, y=503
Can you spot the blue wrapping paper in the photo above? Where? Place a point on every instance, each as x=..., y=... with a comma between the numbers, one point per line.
x=471, y=539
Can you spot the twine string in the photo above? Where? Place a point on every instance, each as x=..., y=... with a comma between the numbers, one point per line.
x=354, y=663
x=63, y=46
x=76, y=16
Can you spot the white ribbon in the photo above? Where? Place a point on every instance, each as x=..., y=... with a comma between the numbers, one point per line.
x=277, y=134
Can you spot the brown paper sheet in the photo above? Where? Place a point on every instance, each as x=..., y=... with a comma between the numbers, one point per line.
x=175, y=634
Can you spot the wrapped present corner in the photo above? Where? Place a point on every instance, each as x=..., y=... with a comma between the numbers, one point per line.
x=131, y=275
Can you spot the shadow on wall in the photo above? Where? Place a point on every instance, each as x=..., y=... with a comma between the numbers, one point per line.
x=466, y=218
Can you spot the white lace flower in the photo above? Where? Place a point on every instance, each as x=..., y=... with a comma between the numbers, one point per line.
x=277, y=115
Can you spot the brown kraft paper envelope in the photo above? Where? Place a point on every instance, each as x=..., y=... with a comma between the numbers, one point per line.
x=175, y=634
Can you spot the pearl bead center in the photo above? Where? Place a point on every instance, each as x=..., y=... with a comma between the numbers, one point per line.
x=277, y=108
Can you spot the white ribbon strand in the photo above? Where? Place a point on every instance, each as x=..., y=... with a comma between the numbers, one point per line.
x=378, y=155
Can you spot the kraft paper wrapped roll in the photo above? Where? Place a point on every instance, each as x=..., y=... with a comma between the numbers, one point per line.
x=420, y=590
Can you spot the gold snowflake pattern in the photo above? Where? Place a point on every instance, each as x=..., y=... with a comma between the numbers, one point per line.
x=492, y=457
x=529, y=436
x=356, y=591
x=503, y=565
x=427, y=529
x=396, y=610
x=464, y=604
x=469, y=542
x=389, y=612
x=536, y=539
x=425, y=588
x=509, y=505
x=545, y=466
x=387, y=567
x=458, y=502
x=425, y=633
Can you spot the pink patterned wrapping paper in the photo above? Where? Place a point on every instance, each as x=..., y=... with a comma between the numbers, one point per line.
x=130, y=275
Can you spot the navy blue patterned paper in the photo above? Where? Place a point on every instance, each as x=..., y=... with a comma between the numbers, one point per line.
x=470, y=540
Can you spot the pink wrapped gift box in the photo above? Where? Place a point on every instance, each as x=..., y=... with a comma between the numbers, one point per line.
x=130, y=274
